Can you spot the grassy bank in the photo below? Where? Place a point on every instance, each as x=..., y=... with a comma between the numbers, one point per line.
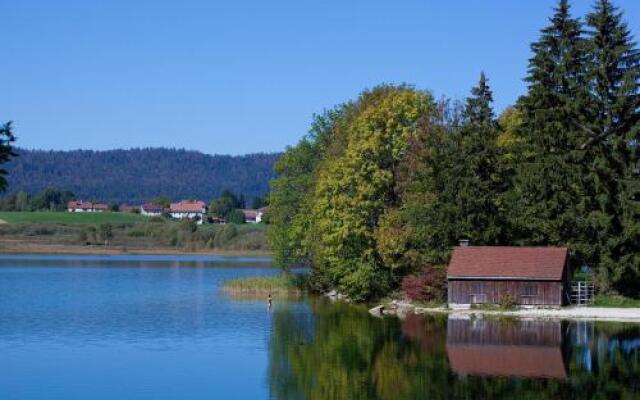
x=120, y=232
x=282, y=285
x=615, y=301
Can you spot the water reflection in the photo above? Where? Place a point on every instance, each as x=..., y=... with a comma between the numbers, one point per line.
x=518, y=348
x=340, y=352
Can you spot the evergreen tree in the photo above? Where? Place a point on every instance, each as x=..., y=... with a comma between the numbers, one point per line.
x=547, y=203
x=6, y=150
x=478, y=109
x=612, y=146
x=477, y=178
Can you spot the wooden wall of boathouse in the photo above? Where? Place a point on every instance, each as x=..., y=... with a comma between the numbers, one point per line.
x=523, y=292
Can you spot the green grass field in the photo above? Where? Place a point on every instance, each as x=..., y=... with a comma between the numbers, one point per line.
x=69, y=218
x=615, y=301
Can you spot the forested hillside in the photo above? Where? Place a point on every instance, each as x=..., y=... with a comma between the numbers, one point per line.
x=136, y=175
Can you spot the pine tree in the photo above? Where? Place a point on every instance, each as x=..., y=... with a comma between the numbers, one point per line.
x=476, y=177
x=547, y=203
x=478, y=108
x=613, y=147
x=6, y=150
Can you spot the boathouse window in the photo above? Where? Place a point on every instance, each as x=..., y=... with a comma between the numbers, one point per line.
x=529, y=294
x=530, y=289
x=477, y=293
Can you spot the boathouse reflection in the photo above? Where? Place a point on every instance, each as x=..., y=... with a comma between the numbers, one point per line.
x=514, y=348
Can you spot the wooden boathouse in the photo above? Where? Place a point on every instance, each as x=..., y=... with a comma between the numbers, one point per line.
x=536, y=276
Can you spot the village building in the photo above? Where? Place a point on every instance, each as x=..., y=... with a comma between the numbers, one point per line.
x=125, y=208
x=261, y=212
x=527, y=276
x=250, y=216
x=253, y=216
x=151, y=210
x=192, y=209
x=86, y=206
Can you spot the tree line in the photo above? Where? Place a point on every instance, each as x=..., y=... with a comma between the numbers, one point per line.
x=386, y=184
x=50, y=199
x=135, y=175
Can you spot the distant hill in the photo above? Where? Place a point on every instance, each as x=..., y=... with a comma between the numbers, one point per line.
x=134, y=176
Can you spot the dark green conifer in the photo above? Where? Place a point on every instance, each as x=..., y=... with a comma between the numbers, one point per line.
x=612, y=147
x=476, y=179
x=6, y=150
x=547, y=203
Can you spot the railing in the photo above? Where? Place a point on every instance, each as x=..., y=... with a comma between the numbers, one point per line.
x=582, y=293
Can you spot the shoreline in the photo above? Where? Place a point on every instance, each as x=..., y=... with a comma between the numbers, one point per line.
x=609, y=314
x=22, y=247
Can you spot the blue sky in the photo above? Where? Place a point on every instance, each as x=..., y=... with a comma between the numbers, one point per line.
x=234, y=77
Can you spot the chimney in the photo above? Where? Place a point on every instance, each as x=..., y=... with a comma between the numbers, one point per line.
x=464, y=242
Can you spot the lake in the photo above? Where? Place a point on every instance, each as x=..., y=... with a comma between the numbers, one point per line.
x=160, y=327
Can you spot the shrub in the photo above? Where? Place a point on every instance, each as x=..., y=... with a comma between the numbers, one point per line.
x=428, y=285
x=225, y=235
x=105, y=231
x=188, y=225
x=235, y=217
x=507, y=301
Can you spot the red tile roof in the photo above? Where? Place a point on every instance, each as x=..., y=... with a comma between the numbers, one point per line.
x=520, y=361
x=152, y=208
x=508, y=262
x=250, y=214
x=188, y=206
x=86, y=205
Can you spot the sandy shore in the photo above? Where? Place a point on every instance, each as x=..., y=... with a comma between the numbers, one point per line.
x=578, y=313
x=573, y=313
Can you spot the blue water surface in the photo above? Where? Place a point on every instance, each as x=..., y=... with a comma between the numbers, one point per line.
x=160, y=327
x=155, y=327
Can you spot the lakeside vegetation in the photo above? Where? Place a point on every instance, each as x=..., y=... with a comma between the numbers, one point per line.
x=125, y=232
x=615, y=301
x=286, y=284
x=384, y=186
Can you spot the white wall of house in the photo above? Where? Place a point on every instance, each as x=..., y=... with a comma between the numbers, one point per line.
x=191, y=215
x=150, y=213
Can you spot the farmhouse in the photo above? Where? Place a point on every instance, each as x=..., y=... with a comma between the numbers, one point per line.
x=86, y=206
x=193, y=209
x=125, y=208
x=151, y=210
x=522, y=275
x=250, y=216
x=253, y=216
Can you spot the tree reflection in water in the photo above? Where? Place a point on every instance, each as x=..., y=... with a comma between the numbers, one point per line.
x=341, y=352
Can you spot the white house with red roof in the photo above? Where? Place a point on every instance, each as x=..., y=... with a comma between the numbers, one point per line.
x=253, y=216
x=86, y=206
x=192, y=209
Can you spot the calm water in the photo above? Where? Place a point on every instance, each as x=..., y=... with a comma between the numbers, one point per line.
x=160, y=328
